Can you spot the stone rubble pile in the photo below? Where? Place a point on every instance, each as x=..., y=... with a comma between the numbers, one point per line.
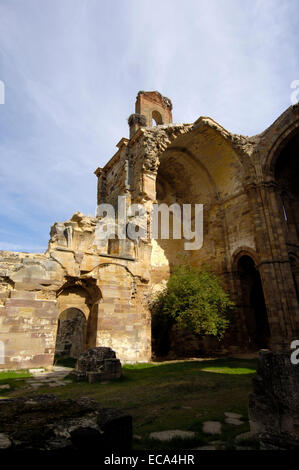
x=97, y=365
x=46, y=423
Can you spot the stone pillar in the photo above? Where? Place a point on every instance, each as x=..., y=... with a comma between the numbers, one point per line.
x=274, y=267
x=101, y=189
x=274, y=403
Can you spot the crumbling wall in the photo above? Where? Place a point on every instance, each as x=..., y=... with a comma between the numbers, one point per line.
x=28, y=309
x=124, y=323
x=36, y=289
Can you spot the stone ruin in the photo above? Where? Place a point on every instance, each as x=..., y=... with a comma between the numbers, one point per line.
x=97, y=365
x=274, y=403
x=249, y=191
x=46, y=423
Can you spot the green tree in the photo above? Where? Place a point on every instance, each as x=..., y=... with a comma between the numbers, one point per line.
x=194, y=300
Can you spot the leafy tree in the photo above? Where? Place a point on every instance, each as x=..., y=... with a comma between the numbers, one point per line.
x=194, y=300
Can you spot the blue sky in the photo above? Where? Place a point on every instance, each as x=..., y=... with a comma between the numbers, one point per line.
x=72, y=70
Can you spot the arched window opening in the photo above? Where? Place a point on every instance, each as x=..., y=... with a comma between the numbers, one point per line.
x=156, y=118
x=254, y=304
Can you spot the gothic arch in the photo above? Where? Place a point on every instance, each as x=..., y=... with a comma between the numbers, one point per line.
x=201, y=164
x=276, y=137
x=243, y=251
x=206, y=131
x=157, y=117
x=84, y=295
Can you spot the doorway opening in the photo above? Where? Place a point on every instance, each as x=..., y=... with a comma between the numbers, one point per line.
x=254, y=306
x=71, y=334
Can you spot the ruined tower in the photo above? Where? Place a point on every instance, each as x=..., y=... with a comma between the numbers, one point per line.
x=151, y=108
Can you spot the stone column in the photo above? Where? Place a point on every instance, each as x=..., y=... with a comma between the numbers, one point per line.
x=275, y=270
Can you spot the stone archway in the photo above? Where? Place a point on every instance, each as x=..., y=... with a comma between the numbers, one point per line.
x=201, y=166
x=71, y=333
x=253, y=303
x=78, y=301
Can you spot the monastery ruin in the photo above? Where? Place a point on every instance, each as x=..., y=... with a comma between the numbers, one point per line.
x=100, y=291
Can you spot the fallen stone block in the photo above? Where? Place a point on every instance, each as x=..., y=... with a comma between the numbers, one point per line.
x=5, y=442
x=211, y=427
x=97, y=365
x=5, y=387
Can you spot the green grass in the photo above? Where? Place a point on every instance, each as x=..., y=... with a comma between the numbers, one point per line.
x=14, y=378
x=14, y=374
x=178, y=395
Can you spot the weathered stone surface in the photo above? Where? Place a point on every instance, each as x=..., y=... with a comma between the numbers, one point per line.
x=274, y=403
x=233, y=421
x=98, y=364
x=5, y=387
x=211, y=427
x=44, y=422
x=5, y=442
x=233, y=418
x=208, y=447
x=229, y=414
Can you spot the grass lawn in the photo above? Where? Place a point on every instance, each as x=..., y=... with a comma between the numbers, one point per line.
x=166, y=396
x=14, y=378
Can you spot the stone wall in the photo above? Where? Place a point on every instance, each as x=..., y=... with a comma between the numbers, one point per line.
x=36, y=290
x=28, y=311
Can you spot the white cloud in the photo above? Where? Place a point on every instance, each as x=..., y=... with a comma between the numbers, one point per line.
x=72, y=70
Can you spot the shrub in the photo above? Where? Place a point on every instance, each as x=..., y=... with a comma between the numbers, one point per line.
x=194, y=300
